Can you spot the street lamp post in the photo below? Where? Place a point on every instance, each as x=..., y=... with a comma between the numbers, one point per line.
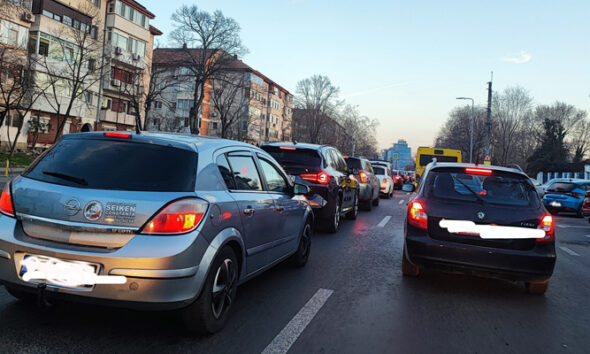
x=471, y=130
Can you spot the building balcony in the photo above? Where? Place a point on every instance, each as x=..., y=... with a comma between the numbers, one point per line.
x=107, y=115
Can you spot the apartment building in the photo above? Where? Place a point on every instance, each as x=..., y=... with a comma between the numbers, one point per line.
x=264, y=108
x=117, y=41
x=128, y=55
x=312, y=126
x=15, y=21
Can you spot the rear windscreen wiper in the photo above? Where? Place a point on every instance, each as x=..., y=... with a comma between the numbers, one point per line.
x=469, y=189
x=77, y=180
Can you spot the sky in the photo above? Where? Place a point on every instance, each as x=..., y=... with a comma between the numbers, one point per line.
x=405, y=62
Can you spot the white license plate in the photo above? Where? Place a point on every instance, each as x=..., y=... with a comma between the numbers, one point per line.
x=555, y=204
x=49, y=270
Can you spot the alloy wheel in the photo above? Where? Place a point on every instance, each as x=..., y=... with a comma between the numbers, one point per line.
x=223, y=287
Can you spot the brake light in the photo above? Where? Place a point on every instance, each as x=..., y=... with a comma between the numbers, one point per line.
x=6, y=207
x=287, y=148
x=576, y=195
x=117, y=135
x=321, y=177
x=364, y=177
x=549, y=228
x=417, y=215
x=384, y=180
x=177, y=218
x=478, y=171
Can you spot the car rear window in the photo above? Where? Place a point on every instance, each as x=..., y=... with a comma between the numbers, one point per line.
x=354, y=163
x=498, y=188
x=117, y=165
x=562, y=187
x=378, y=170
x=294, y=156
x=426, y=159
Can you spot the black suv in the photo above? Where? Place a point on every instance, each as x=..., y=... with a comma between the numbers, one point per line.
x=486, y=221
x=333, y=193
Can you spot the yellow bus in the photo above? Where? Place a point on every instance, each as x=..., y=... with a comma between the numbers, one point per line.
x=425, y=155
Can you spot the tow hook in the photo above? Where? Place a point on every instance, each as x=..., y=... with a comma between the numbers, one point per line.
x=42, y=296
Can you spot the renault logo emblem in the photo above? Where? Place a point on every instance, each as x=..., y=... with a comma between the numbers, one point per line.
x=72, y=207
x=481, y=215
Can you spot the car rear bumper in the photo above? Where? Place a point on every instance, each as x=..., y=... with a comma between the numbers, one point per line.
x=161, y=271
x=530, y=265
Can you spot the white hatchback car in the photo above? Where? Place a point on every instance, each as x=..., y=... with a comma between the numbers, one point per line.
x=385, y=180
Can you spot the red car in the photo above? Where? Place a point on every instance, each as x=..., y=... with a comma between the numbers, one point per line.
x=586, y=205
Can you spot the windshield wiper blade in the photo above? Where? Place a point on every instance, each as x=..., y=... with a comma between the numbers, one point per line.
x=77, y=180
x=469, y=189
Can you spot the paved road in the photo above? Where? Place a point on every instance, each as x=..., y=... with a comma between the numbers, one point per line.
x=360, y=301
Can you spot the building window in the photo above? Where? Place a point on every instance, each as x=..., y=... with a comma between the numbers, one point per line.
x=67, y=20
x=158, y=104
x=214, y=125
x=13, y=34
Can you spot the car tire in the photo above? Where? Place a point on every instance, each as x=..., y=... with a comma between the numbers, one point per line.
x=300, y=257
x=351, y=215
x=390, y=193
x=376, y=201
x=579, y=213
x=21, y=295
x=333, y=221
x=408, y=268
x=209, y=313
x=537, y=287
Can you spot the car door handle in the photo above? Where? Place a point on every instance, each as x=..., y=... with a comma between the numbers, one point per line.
x=279, y=209
x=249, y=211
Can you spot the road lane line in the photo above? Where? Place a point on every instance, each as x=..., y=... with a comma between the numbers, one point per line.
x=575, y=226
x=401, y=201
x=285, y=339
x=568, y=251
x=384, y=221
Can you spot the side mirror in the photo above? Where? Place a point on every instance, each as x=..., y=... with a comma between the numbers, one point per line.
x=408, y=188
x=300, y=189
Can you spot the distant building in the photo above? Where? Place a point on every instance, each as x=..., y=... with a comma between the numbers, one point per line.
x=404, y=154
x=330, y=131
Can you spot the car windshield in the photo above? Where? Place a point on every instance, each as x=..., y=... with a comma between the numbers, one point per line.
x=117, y=165
x=498, y=188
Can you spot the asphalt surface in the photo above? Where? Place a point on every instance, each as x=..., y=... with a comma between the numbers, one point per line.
x=364, y=306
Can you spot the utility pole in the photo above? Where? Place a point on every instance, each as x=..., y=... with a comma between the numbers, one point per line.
x=487, y=159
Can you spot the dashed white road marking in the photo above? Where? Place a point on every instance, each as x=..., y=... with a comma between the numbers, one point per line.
x=401, y=201
x=285, y=339
x=568, y=251
x=384, y=221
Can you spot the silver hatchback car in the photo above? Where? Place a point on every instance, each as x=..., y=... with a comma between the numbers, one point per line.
x=153, y=221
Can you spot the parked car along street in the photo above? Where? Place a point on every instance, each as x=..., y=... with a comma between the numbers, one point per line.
x=566, y=196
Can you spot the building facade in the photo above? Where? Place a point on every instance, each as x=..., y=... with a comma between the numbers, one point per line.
x=88, y=59
x=404, y=153
x=240, y=103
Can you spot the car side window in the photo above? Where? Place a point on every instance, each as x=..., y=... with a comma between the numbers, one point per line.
x=329, y=160
x=245, y=173
x=339, y=163
x=226, y=172
x=274, y=179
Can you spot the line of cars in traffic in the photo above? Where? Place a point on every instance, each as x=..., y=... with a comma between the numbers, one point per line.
x=168, y=221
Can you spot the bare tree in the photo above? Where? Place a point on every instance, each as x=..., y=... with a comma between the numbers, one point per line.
x=229, y=101
x=319, y=98
x=512, y=112
x=580, y=140
x=69, y=67
x=362, y=130
x=456, y=131
x=216, y=39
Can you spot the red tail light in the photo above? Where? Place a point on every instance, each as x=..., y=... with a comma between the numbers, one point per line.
x=364, y=177
x=417, y=215
x=576, y=195
x=117, y=135
x=6, y=207
x=177, y=218
x=384, y=180
x=321, y=177
x=478, y=171
x=547, y=225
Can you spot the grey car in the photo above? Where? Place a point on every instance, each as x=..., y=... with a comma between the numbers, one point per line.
x=369, y=184
x=151, y=221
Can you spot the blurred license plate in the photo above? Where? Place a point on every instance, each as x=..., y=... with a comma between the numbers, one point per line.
x=71, y=274
x=555, y=204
